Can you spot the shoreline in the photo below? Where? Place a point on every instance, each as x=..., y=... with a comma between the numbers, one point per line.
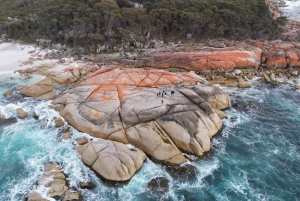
x=92, y=76
x=37, y=62
x=108, y=104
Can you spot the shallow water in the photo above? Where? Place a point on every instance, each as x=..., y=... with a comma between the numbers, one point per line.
x=255, y=157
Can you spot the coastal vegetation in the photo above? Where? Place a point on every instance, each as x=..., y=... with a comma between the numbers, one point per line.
x=87, y=23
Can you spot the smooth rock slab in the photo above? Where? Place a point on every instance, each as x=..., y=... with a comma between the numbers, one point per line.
x=38, y=89
x=113, y=161
x=36, y=197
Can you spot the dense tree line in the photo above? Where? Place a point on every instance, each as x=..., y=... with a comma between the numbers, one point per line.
x=91, y=22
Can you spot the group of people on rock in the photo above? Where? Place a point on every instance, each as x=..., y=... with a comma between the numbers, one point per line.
x=163, y=93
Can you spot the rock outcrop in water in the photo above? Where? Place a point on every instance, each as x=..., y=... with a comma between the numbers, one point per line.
x=41, y=89
x=21, y=113
x=113, y=161
x=123, y=105
x=55, y=180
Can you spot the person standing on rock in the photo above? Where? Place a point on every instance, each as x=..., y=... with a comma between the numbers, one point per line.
x=162, y=101
x=172, y=93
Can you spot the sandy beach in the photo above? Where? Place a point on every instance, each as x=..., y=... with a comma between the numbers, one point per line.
x=15, y=56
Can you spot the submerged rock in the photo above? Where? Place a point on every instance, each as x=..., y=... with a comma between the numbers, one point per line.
x=7, y=93
x=113, y=161
x=158, y=185
x=7, y=121
x=240, y=103
x=87, y=185
x=182, y=172
x=128, y=106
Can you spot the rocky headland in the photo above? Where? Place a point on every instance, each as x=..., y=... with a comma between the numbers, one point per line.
x=162, y=113
x=160, y=101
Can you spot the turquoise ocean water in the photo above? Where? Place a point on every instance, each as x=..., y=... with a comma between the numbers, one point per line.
x=255, y=157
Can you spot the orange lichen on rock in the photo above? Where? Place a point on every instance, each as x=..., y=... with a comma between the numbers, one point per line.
x=104, y=93
x=93, y=113
x=138, y=78
x=281, y=56
x=292, y=57
x=207, y=59
x=154, y=110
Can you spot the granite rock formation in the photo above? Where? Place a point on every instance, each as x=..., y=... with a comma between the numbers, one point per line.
x=159, y=112
x=55, y=180
x=206, y=59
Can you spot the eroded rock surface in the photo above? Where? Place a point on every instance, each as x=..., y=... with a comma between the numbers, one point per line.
x=123, y=105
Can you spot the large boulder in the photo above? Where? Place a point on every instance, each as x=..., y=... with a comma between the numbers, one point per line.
x=38, y=89
x=113, y=161
x=127, y=106
x=59, y=122
x=276, y=59
x=21, y=113
x=244, y=84
x=281, y=56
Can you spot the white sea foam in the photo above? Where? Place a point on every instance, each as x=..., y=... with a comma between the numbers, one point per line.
x=8, y=110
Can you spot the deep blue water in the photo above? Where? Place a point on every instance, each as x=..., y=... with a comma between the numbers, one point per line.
x=255, y=157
